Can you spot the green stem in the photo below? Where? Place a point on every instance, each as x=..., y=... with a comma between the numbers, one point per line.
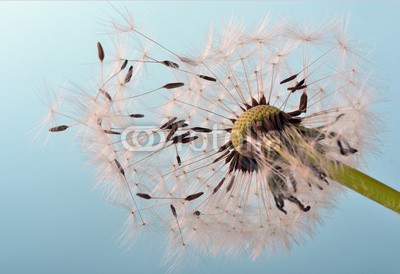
x=365, y=185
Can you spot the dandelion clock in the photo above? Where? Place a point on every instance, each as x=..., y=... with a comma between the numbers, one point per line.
x=240, y=146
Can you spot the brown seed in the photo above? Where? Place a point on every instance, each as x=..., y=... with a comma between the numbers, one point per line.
x=254, y=102
x=173, y=85
x=173, y=211
x=230, y=156
x=230, y=184
x=293, y=89
x=171, y=132
x=227, y=145
x=300, y=83
x=124, y=64
x=219, y=185
x=220, y=157
x=179, y=138
x=170, y=64
x=100, y=52
x=144, y=196
x=128, y=76
x=136, y=115
x=180, y=123
x=58, y=128
x=106, y=94
x=167, y=124
x=247, y=106
x=208, y=78
x=194, y=196
x=233, y=163
x=179, y=160
x=189, y=139
x=303, y=103
x=201, y=129
x=288, y=79
x=111, y=132
x=263, y=100
x=120, y=169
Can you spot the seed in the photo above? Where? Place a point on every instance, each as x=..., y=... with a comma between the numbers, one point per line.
x=111, y=132
x=167, y=124
x=293, y=89
x=137, y=115
x=288, y=79
x=144, y=196
x=124, y=64
x=128, y=76
x=100, y=52
x=173, y=85
x=219, y=185
x=58, y=128
x=170, y=64
x=201, y=129
x=208, y=78
x=194, y=196
x=173, y=211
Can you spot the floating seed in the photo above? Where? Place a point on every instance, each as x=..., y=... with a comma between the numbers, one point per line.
x=100, y=52
x=144, y=196
x=179, y=138
x=106, y=94
x=208, y=78
x=190, y=139
x=171, y=132
x=170, y=64
x=179, y=160
x=288, y=79
x=201, y=129
x=300, y=83
x=58, y=128
x=111, y=132
x=194, y=196
x=219, y=185
x=173, y=85
x=124, y=64
x=180, y=123
x=136, y=115
x=173, y=211
x=293, y=89
x=167, y=124
x=197, y=213
x=128, y=76
x=120, y=169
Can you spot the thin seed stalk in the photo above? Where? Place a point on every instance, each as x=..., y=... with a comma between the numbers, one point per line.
x=364, y=185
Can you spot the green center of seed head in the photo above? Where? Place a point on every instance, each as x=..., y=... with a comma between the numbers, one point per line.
x=244, y=122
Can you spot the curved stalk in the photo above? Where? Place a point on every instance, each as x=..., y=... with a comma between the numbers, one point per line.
x=364, y=185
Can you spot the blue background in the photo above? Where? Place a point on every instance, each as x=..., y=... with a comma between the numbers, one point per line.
x=51, y=219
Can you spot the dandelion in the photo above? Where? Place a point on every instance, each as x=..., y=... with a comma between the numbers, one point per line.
x=238, y=149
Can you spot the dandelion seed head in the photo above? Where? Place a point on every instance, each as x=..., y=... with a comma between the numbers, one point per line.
x=237, y=133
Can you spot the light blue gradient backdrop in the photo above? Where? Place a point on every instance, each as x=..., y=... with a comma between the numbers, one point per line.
x=52, y=221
